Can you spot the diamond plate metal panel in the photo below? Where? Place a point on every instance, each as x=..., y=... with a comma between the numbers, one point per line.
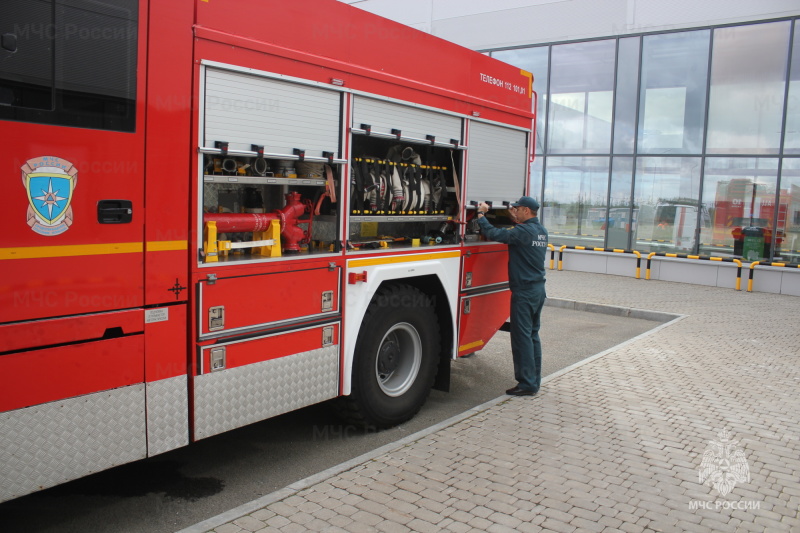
x=167, y=415
x=233, y=398
x=45, y=445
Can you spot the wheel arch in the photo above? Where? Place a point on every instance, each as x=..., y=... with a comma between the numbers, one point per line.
x=433, y=279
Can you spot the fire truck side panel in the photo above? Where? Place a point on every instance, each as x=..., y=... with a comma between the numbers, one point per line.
x=166, y=368
x=37, y=376
x=265, y=377
x=166, y=335
x=74, y=263
x=59, y=441
x=485, y=298
x=40, y=333
x=168, y=105
x=236, y=304
x=57, y=284
x=355, y=47
x=377, y=270
x=484, y=266
x=480, y=316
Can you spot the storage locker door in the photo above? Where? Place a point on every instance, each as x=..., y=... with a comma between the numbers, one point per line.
x=245, y=109
x=412, y=121
x=497, y=163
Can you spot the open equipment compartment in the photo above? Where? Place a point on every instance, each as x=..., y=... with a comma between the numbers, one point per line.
x=270, y=172
x=405, y=175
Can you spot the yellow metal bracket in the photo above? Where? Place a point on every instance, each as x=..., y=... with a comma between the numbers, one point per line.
x=210, y=249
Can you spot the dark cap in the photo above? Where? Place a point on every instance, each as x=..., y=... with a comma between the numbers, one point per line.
x=526, y=201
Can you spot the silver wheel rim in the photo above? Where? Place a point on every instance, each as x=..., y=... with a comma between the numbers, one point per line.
x=399, y=358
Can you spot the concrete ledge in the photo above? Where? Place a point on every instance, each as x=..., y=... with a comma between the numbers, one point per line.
x=629, y=312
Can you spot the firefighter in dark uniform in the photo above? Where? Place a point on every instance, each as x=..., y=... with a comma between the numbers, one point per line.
x=527, y=247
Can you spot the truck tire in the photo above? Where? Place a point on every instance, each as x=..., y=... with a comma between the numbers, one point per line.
x=395, y=360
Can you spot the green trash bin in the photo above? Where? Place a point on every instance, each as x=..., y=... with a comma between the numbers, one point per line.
x=753, y=245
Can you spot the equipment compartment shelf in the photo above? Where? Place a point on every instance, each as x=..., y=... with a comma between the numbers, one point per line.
x=262, y=180
x=400, y=218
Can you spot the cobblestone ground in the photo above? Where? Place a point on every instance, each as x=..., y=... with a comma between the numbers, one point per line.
x=617, y=444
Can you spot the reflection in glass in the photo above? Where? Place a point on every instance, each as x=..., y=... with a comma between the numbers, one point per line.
x=625, y=105
x=791, y=143
x=622, y=218
x=739, y=193
x=657, y=144
x=673, y=92
x=536, y=178
x=666, y=193
x=581, y=97
x=748, y=81
x=788, y=235
x=575, y=200
x=533, y=60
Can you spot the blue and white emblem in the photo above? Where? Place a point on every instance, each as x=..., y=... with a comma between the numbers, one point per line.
x=49, y=183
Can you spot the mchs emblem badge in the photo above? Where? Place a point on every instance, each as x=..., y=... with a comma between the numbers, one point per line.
x=49, y=183
x=724, y=464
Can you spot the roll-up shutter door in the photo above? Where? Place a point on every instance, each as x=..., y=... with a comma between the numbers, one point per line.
x=497, y=163
x=411, y=121
x=245, y=109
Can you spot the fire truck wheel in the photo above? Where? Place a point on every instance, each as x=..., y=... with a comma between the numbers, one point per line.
x=396, y=358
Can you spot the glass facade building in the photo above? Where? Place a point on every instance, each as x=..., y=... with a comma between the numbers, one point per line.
x=686, y=141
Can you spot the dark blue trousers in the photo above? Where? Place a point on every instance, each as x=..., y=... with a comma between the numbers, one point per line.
x=526, y=348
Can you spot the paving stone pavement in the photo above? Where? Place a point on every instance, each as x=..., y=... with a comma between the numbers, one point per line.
x=615, y=444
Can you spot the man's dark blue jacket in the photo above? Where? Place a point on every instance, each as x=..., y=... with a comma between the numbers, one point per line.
x=526, y=252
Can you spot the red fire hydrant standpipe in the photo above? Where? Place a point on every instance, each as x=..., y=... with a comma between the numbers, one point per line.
x=292, y=235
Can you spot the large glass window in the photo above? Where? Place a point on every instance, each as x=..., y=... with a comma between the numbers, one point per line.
x=576, y=192
x=537, y=171
x=787, y=241
x=673, y=92
x=739, y=193
x=533, y=60
x=666, y=199
x=622, y=217
x=69, y=62
x=748, y=82
x=791, y=143
x=581, y=98
x=625, y=101
x=678, y=99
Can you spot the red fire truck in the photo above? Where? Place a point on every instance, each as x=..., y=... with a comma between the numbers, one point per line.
x=224, y=210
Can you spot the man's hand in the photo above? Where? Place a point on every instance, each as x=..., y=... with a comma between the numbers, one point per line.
x=483, y=207
x=512, y=213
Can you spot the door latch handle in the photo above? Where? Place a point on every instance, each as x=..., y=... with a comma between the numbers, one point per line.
x=114, y=211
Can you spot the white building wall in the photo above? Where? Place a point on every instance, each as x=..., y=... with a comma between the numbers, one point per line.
x=482, y=25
